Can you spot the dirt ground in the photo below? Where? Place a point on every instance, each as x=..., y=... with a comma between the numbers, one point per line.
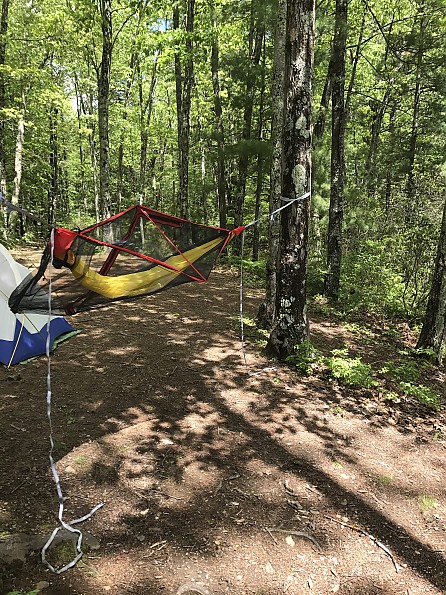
x=215, y=475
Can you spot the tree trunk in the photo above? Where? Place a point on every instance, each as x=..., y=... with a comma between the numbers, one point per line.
x=351, y=84
x=218, y=124
x=94, y=168
x=18, y=167
x=103, y=105
x=266, y=313
x=82, y=197
x=379, y=112
x=257, y=33
x=54, y=190
x=378, y=117
x=291, y=328
x=319, y=126
x=3, y=33
x=410, y=188
x=260, y=161
x=336, y=215
x=184, y=80
x=434, y=326
x=145, y=116
x=204, y=204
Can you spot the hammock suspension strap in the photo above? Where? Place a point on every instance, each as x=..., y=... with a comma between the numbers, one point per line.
x=63, y=524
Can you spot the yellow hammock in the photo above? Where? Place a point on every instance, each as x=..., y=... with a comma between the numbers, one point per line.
x=138, y=283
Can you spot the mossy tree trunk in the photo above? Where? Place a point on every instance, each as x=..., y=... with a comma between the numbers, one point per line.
x=291, y=328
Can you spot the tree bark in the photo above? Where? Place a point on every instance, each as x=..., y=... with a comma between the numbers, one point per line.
x=128, y=87
x=257, y=33
x=145, y=116
x=433, y=332
x=3, y=42
x=410, y=188
x=222, y=198
x=336, y=215
x=260, y=162
x=103, y=107
x=319, y=126
x=266, y=313
x=184, y=81
x=54, y=190
x=291, y=328
x=18, y=167
x=351, y=84
x=82, y=196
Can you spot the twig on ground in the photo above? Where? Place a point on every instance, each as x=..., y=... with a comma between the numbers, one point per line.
x=218, y=488
x=17, y=428
x=371, y=537
x=295, y=505
x=296, y=534
x=192, y=588
x=289, y=490
x=220, y=484
x=271, y=535
x=22, y=483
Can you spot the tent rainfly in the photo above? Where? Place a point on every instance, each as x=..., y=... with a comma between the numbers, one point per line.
x=24, y=335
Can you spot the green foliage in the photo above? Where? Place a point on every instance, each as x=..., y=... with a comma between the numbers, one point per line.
x=370, y=282
x=388, y=395
x=306, y=358
x=423, y=394
x=404, y=372
x=253, y=271
x=351, y=371
x=427, y=503
x=347, y=370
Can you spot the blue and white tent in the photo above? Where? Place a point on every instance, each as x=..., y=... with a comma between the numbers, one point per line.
x=22, y=336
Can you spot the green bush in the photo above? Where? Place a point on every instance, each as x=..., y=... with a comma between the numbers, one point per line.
x=405, y=372
x=306, y=359
x=424, y=394
x=349, y=370
x=370, y=282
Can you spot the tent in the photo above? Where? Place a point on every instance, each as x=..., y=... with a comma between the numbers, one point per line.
x=24, y=335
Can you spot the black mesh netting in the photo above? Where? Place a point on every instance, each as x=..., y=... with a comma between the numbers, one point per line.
x=135, y=253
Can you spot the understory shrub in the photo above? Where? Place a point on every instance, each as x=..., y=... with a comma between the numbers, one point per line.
x=351, y=371
x=370, y=282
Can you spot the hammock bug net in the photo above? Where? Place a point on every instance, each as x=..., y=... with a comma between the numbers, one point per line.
x=134, y=253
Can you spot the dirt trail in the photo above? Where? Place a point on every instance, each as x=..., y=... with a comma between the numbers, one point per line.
x=236, y=483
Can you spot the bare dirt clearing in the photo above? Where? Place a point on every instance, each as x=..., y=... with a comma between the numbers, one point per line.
x=255, y=484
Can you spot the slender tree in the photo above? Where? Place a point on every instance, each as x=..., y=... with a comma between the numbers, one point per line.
x=3, y=33
x=18, y=161
x=433, y=331
x=256, y=36
x=336, y=215
x=291, y=326
x=103, y=79
x=219, y=131
x=416, y=105
x=266, y=314
x=145, y=117
x=184, y=82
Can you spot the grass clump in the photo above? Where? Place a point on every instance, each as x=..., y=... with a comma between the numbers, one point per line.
x=427, y=503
